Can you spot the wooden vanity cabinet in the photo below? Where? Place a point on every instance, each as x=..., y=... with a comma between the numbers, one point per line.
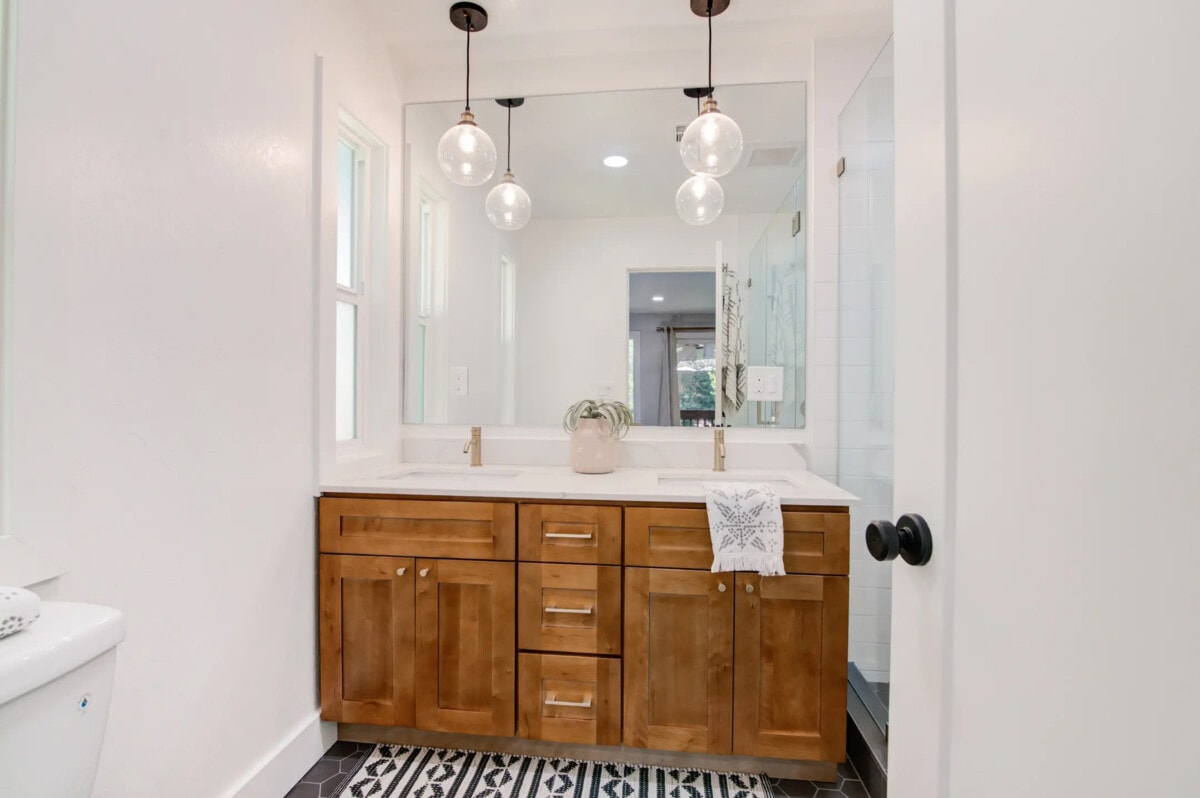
x=545, y=624
x=421, y=642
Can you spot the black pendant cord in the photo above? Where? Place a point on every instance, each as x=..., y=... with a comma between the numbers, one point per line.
x=508, y=156
x=710, y=83
x=467, y=14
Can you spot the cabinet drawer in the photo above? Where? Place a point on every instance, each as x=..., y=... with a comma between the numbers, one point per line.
x=462, y=530
x=570, y=533
x=814, y=542
x=569, y=699
x=572, y=608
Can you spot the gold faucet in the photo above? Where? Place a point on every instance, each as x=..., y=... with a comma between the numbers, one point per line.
x=718, y=449
x=475, y=447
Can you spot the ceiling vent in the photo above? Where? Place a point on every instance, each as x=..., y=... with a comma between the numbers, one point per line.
x=773, y=156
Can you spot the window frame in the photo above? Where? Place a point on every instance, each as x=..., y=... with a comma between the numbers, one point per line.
x=369, y=286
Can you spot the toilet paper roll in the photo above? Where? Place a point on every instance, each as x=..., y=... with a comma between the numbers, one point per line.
x=18, y=609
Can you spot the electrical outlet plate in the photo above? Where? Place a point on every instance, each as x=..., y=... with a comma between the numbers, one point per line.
x=764, y=383
x=459, y=380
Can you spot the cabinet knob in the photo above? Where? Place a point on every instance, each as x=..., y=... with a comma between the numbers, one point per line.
x=749, y=588
x=908, y=538
x=424, y=572
x=721, y=587
x=401, y=571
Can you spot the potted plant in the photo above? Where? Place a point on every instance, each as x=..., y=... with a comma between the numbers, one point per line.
x=595, y=427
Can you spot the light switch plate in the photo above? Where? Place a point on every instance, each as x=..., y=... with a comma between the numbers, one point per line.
x=459, y=380
x=764, y=383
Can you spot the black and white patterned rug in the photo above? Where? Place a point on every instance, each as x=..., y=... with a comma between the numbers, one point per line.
x=401, y=771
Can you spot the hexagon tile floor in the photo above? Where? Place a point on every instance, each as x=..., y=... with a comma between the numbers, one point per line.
x=332, y=770
x=330, y=773
x=848, y=785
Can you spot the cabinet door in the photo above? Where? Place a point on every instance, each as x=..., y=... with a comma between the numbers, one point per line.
x=367, y=639
x=679, y=660
x=790, y=667
x=466, y=647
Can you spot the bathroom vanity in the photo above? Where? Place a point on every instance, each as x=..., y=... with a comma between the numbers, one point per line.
x=543, y=612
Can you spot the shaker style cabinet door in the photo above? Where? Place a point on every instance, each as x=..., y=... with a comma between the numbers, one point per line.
x=366, y=616
x=679, y=660
x=466, y=647
x=790, y=667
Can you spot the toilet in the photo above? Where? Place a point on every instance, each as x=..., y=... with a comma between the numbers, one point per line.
x=56, y=680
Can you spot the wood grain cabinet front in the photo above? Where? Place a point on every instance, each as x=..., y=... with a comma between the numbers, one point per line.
x=569, y=699
x=569, y=608
x=367, y=639
x=814, y=542
x=571, y=533
x=679, y=660
x=411, y=528
x=789, y=666
x=466, y=647
x=421, y=643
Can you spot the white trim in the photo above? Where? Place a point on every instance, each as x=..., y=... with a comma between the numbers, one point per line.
x=277, y=772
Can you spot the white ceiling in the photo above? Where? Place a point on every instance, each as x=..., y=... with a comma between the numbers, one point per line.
x=418, y=33
x=682, y=292
x=559, y=143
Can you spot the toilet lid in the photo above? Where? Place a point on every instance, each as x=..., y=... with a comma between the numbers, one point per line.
x=66, y=636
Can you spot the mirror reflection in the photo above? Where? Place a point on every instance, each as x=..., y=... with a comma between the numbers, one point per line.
x=514, y=326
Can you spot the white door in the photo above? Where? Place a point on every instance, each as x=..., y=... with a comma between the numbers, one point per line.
x=1048, y=398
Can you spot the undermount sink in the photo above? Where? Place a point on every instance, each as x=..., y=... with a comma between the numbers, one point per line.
x=456, y=474
x=774, y=480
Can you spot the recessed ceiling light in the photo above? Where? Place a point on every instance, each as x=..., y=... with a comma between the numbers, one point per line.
x=616, y=161
x=656, y=298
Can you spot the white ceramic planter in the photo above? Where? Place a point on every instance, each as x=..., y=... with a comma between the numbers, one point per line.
x=593, y=447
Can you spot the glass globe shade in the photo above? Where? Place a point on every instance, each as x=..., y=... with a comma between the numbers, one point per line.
x=699, y=200
x=712, y=143
x=466, y=153
x=508, y=205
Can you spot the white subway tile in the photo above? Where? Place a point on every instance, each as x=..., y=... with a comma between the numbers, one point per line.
x=825, y=296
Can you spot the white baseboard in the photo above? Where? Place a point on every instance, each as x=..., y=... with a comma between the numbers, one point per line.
x=278, y=771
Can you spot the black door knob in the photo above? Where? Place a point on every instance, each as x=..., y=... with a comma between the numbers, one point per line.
x=909, y=538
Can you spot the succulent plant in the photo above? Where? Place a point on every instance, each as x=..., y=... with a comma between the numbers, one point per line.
x=617, y=414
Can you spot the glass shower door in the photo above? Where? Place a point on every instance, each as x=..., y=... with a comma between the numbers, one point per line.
x=866, y=365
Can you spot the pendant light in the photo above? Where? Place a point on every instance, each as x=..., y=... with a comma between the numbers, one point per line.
x=699, y=200
x=508, y=205
x=466, y=153
x=712, y=143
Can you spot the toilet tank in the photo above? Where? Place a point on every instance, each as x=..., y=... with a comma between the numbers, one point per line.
x=55, y=689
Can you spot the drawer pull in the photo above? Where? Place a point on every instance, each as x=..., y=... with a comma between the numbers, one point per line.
x=570, y=535
x=721, y=586
x=551, y=701
x=569, y=610
x=400, y=571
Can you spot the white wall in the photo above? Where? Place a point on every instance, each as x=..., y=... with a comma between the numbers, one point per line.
x=161, y=360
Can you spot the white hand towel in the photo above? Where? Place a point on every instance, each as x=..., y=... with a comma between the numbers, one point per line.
x=18, y=609
x=746, y=525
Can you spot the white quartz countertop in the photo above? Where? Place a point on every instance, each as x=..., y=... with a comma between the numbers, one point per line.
x=795, y=487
